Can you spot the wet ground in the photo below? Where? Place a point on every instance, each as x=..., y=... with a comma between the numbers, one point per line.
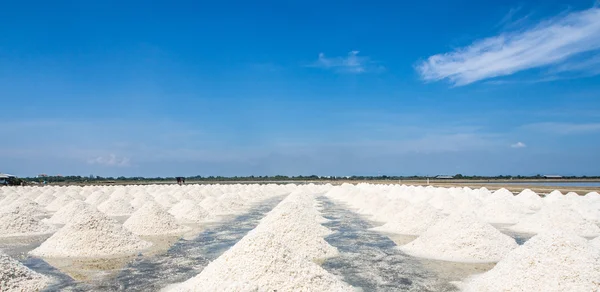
x=182, y=260
x=371, y=261
x=368, y=259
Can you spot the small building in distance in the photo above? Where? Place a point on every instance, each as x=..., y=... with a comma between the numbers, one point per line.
x=4, y=178
x=552, y=176
x=444, y=177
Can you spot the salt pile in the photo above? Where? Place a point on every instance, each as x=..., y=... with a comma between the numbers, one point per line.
x=165, y=200
x=96, y=198
x=27, y=206
x=14, y=276
x=462, y=237
x=67, y=213
x=22, y=222
x=140, y=199
x=295, y=221
x=151, y=219
x=390, y=210
x=188, y=210
x=557, y=217
x=58, y=203
x=116, y=205
x=214, y=206
x=91, y=234
x=530, y=199
x=596, y=242
x=45, y=199
x=502, y=210
x=413, y=220
x=554, y=261
x=9, y=199
x=444, y=202
x=262, y=262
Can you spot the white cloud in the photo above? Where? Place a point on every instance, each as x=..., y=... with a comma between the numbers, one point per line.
x=563, y=128
x=110, y=160
x=551, y=42
x=353, y=64
x=518, y=145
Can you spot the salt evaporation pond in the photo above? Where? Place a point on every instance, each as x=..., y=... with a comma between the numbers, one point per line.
x=293, y=237
x=182, y=261
x=371, y=261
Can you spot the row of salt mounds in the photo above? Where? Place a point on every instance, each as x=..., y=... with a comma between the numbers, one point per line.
x=296, y=222
x=502, y=207
x=462, y=237
x=91, y=234
x=151, y=219
x=22, y=221
x=268, y=259
x=260, y=261
x=414, y=220
x=14, y=276
x=553, y=261
x=189, y=211
x=557, y=217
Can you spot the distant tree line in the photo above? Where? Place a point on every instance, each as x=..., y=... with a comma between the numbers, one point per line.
x=198, y=178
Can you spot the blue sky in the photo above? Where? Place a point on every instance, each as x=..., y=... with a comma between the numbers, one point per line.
x=299, y=87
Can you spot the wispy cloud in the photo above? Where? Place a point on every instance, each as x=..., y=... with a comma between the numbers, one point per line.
x=512, y=19
x=518, y=145
x=110, y=160
x=563, y=128
x=352, y=64
x=551, y=42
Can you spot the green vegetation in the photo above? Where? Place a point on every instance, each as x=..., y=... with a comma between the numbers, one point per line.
x=276, y=178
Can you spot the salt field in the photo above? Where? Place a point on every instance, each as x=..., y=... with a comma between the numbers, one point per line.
x=288, y=237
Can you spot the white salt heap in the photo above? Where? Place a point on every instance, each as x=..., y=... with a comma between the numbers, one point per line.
x=140, y=199
x=596, y=242
x=295, y=221
x=117, y=205
x=165, y=200
x=214, y=206
x=557, y=217
x=151, y=219
x=45, y=199
x=27, y=206
x=16, y=277
x=188, y=210
x=96, y=198
x=22, y=222
x=91, y=234
x=391, y=210
x=502, y=210
x=413, y=220
x=59, y=202
x=530, y=199
x=462, y=237
x=67, y=213
x=553, y=261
